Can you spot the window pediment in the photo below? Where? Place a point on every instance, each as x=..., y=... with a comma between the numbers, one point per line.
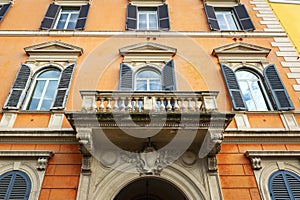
x=241, y=51
x=222, y=3
x=147, y=2
x=71, y=2
x=54, y=50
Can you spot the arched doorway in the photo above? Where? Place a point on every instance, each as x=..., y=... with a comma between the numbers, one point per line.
x=150, y=189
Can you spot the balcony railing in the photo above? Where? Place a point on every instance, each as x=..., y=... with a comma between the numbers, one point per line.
x=145, y=101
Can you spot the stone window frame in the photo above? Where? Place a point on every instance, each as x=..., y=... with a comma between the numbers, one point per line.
x=31, y=162
x=266, y=162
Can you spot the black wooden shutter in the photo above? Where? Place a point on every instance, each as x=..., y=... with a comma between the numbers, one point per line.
x=126, y=77
x=163, y=16
x=277, y=89
x=83, y=13
x=15, y=185
x=211, y=17
x=131, y=17
x=243, y=18
x=18, y=91
x=284, y=185
x=63, y=87
x=49, y=19
x=234, y=90
x=3, y=10
x=168, y=76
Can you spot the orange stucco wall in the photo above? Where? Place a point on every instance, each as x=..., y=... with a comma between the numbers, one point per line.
x=236, y=175
x=62, y=174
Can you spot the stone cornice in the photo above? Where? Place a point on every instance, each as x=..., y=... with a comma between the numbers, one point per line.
x=271, y=136
x=26, y=153
x=32, y=136
x=272, y=153
x=212, y=34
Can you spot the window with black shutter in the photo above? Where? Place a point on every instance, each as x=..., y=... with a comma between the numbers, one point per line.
x=3, y=10
x=147, y=18
x=252, y=91
x=15, y=185
x=228, y=18
x=65, y=17
x=284, y=184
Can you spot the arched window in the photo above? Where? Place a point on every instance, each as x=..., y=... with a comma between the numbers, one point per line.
x=15, y=185
x=44, y=91
x=284, y=185
x=252, y=90
x=148, y=80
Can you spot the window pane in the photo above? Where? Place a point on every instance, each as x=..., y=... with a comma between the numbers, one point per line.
x=142, y=21
x=252, y=91
x=148, y=74
x=154, y=84
x=72, y=21
x=62, y=21
x=153, y=21
x=50, y=74
x=226, y=20
x=141, y=85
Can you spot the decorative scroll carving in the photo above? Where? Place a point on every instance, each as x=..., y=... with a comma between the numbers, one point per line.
x=255, y=162
x=212, y=143
x=212, y=163
x=42, y=163
x=85, y=139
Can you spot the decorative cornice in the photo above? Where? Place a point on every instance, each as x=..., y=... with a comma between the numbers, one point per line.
x=255, y=156
x=147, y=48
x=212, y=34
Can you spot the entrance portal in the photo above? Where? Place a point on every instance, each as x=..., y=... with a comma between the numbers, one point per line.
x=150, y=189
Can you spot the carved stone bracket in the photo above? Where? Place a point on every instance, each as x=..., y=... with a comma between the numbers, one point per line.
x=84, y=136
x=255, y=162
x=42, y=163
x=212, y=163
x=212, y=142
x=86, y=165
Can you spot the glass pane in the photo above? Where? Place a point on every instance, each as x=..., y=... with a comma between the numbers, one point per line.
x=35, y=99
x=50, y=74
x=155, y=85
x=50, y=91
x=72, y=21
x=148, y=74
x=153, y=21
x=141, y=85
x=62, y=21
x=247, y=95
x=230, y=21
x=46, y=105
x=258, y=96
x=33, y=104
x=142, y=21
x=226, y=20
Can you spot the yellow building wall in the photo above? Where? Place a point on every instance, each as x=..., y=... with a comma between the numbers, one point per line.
x=288, y=15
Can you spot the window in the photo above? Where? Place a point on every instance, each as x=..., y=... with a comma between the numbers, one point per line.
x=67, y=18
x=229, y=18
x=247, y=90
x=44, y=90
x=284, y=184
x=3, y=10
x=50, y=88
x=252, y=90
x=147, y=18
x=148, y=80
x=14, y=185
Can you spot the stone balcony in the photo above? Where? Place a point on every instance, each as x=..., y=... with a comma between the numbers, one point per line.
x=132, y=121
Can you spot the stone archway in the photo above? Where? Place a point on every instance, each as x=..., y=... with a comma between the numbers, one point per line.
x=150, y=188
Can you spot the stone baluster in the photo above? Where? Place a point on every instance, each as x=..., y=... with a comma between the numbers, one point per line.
x=176, y=106
x=129, y=105
x=190, y=106
x=108, y=106
x=162, y=105
x=169, y=106
x=197, y=106
x=183, y=106
x=116, y=105
x=101, y=107
x=136, y=104
x=122, y=106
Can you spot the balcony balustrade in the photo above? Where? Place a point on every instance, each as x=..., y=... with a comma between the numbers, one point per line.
x=146, y=101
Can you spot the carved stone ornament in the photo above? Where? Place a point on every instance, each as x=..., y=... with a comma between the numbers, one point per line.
x=150, y=161
x=212, y=142
x=255, y=162
x=212, y=163
x=85, y=139
x=42, y=163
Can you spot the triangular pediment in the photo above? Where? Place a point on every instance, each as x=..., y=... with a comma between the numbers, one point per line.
x=241, y=48
x=147, y=48
x=53, y=47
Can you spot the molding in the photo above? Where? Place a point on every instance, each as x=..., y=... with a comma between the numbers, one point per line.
x=8, y=120
x=40, y=136
x=255, y=155
x=42, y=156
x=147, y=2
x=261, y=136
x=211, y=34
x=222, y=3
x=6, y=1
x=71, y=2
x=285, y=1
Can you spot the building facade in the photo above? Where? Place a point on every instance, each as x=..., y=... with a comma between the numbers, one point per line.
x=147, y=99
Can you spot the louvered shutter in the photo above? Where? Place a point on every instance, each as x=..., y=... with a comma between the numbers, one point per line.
x=3, y=10
x=63, y=87
x=126, y=77
x=211, y=17
x=277, y=89
x=243, y=18
x=163, y=16
x=168, y=76
x=234, y=90
x=18, y=90
x=82, y=17
x=284, y=185
x=49, y=19
x=131, y=17
x=15, y=185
